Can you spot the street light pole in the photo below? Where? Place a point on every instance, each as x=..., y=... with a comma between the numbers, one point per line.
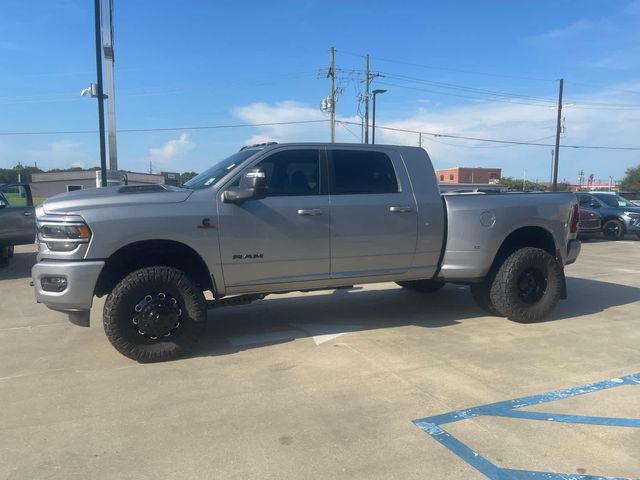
x=373, y=127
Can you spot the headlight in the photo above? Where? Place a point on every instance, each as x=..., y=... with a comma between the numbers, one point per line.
x=63, y=237
x=634, y=218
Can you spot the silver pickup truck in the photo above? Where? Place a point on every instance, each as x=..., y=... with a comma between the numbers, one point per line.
x=293, y=217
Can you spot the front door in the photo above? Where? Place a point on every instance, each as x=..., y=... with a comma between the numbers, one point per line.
x=285, y=236
x=373, y=213
x=17, y=220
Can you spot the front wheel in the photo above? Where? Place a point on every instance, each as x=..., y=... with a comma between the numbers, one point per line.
x=155, y=314
x=422, y=286
x=528, y=285
x=613, y=229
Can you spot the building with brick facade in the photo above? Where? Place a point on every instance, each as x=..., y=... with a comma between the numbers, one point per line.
x=471, y=175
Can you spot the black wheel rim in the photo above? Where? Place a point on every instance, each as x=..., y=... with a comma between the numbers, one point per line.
x=612, y=230
x=157, y=315
x=532, y=285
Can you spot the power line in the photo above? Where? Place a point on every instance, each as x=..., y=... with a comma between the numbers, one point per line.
x=466, y=88
x=340, y=122
x=548, y=102
x=489, y=146
x=167, y=129
x=587, y=105
x=434, y=67
x=492, y=140
x=453, y=86
x=501, y=100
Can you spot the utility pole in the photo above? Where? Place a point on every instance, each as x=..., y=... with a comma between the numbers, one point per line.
x=420, y=139
x=558, y=128
x=366, y=98
x=332, y=96
x=103, y=151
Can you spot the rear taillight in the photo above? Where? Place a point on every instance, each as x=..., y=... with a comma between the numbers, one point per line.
x=575, y=218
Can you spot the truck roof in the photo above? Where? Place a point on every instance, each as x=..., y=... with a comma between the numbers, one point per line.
x=269, y=145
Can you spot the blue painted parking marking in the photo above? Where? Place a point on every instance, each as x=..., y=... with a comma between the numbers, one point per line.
x=510, y=408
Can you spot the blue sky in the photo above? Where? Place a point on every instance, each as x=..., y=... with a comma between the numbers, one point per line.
x=199, y=62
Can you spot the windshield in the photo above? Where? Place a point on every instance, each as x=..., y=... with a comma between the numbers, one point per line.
x=218, y=170
x=614, y=200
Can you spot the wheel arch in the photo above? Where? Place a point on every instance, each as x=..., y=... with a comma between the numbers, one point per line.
x=614, y=217
x=531, y=236
x=146, y=253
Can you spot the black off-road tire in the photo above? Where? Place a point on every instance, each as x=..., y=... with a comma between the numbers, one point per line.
x=481, y=294
x=613, y=229
x=527, y=286
x=119, y=312
x=422, y=286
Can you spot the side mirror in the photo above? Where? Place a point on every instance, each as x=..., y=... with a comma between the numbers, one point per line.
x=2, y=203
x=253, y=186
x=594, y=204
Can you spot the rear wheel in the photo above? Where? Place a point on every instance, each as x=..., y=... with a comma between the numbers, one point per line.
x=422, y=286
x=613, y=229
x=155, y=314
x=528, y=285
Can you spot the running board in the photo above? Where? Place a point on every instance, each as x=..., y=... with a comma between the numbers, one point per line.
x=235, y=300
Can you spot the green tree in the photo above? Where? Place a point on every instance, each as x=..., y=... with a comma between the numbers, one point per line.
x=10, y=175
x=631, y=180
x=517, y=184
x=186, y=176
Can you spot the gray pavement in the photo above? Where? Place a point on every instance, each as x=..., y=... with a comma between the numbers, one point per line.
x=324, y=385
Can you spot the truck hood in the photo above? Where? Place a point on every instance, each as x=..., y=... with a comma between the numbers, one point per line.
x=129, y=195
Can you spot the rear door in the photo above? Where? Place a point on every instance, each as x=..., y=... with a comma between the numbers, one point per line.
x=373, y=213
x=17, y=219
x=285, y=236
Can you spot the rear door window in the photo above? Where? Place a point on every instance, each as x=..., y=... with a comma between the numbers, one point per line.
x=362, y=172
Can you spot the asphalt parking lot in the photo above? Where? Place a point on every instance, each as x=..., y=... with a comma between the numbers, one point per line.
x=327, y=385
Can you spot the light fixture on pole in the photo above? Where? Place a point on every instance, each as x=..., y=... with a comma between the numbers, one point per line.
x=373, y=127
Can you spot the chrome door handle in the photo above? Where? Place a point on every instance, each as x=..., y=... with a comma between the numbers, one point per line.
x=403, y=209
x=309, y=211
x=27, y=214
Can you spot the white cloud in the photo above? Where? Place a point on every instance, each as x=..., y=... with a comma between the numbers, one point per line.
x=574, y=29
x=622, y=59
x=58, y=154
x=633, y=8
x=582, y=30
x=172, y=150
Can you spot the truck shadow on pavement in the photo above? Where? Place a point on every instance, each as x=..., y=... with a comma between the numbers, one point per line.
x=19, y=266
x=587, y=296
x=279, y=319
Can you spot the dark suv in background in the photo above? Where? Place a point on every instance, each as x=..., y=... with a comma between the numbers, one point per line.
x=619, y=215
x=17, y=219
